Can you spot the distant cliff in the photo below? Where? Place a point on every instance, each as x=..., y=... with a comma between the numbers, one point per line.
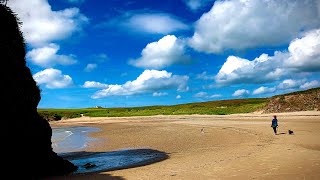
x=308, y=100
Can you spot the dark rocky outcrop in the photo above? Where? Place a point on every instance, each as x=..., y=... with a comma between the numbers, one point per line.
x=308, y=100
x=26, y=144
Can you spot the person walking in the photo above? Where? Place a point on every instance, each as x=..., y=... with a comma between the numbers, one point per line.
x=274, y=124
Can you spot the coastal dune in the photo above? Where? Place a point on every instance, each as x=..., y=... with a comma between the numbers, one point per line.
x=238, y=146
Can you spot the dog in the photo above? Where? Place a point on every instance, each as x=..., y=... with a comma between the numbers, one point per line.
x=290, y=131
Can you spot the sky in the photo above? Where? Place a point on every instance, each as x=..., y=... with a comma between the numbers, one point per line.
x=116, y=53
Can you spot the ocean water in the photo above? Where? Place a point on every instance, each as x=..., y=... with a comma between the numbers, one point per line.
x=71, y=139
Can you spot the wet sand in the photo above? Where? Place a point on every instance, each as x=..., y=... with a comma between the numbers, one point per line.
x=240, y=146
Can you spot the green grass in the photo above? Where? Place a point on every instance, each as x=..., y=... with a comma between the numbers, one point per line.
x=223, y=107
x=212, y=107
x=57, y=114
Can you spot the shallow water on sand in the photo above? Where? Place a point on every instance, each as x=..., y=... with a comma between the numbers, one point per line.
x=71, y=139
x=69, y=142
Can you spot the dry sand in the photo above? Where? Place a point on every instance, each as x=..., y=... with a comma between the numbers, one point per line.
x=240, y=146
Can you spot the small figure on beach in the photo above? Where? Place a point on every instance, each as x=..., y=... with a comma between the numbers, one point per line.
x=202, y=130
x=274, y=124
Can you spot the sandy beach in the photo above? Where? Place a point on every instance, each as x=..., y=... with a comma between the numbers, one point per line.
x=239, y=146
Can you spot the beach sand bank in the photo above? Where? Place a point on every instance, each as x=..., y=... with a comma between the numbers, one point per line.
x=239, y=146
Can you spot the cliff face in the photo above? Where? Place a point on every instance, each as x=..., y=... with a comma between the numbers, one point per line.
x=308, y=100
x=26, y=136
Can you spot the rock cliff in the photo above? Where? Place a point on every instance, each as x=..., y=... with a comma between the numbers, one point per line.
x=26, y=137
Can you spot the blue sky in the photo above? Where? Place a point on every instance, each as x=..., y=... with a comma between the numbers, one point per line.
x=115, y=53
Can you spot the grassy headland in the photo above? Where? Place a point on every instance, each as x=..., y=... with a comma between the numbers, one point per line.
x=211, y=107
x=295, y=101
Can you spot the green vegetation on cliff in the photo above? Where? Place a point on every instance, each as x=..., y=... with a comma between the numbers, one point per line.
x=308, y=100
x=212, y=107
x=295, y=101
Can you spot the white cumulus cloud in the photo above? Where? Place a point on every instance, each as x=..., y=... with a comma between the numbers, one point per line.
x=146, y=22
x=241, y=93
x=47, y=56
x=295, y=84
x=178, y=97
x=264, y=90
x=288, y=85
x=165, y=52
x=196, y=4
x=291, y=84
x=206, y=95
x=41, y=25
x=90, y=67
x=305, y=52
x=303, y=55
x=155, y=23
x=263, y=69
x=311, y=84
x=242, y=24
x=94, y=84
x=157, y=94
x=205, y=76
x=53, y=79
x=149, y=81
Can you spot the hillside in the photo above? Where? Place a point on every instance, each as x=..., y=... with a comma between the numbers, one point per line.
x=296, y=101
x=307, y=100
x=212, y=107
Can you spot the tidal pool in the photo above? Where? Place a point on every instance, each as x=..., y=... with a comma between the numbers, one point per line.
x=115, y=160
x=70, y=143
x=71, y=139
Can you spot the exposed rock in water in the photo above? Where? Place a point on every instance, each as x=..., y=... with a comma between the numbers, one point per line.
x=26, y=137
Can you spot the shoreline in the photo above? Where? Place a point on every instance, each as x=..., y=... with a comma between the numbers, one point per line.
x=237, y=146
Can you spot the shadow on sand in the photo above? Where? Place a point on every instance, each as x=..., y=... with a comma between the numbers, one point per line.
x=281, y=133
x=91, y=163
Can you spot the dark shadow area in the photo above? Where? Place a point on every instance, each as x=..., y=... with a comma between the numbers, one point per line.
x=281, y=133
x=26, y=136
x=95, y=176
x=90, y=164
x=114, y=160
